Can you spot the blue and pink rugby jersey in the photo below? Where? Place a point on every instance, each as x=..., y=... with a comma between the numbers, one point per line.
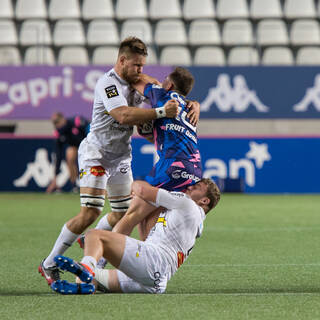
x=176, y=141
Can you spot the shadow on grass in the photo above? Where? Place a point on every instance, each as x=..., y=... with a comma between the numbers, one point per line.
x=251, y=291
x=256, y=291
x=25, y=292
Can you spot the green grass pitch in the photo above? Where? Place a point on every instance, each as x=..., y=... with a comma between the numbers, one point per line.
x=258, y=258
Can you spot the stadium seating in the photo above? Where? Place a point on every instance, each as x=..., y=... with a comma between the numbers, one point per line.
x=105, y=55
x=95, y=9
x=223, y=24
x=170, y=31
x=163, y=9
x=204, y=32
x=305, y=32
x=227, y=9
x=40, y=55
x=6, y=9
x=9, y=56
x=102, y=32
x=243, y=56
x=175, y=55
x=8, y=32
x=294, y=9
x=68, y=32
x=27, y=9
x=140, y=28
x=308, y=56
x=211, y=56
x=62, y=9
x=261, y=9
x=126, y=9
x=192, y=9
x=277, y=56
x=35, y=32
x=272, y=32
x=73, y=56
x=237, y=32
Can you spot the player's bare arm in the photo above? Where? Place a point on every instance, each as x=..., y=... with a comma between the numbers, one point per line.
x=133, y=115
x=194, y=112
x=145, y=79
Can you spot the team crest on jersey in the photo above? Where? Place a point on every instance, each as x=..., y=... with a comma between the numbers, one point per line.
x=97, y=171
x=82, y=173
x=111, y=91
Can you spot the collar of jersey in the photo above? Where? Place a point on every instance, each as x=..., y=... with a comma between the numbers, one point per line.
x=122, y=81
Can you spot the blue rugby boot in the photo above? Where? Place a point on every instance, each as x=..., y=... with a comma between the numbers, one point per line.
x=65, y=287
x=82, y=271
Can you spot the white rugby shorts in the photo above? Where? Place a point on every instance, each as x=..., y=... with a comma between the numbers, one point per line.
x=142, y=269
x=95, y=171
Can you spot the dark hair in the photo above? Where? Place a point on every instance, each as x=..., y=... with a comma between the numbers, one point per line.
x=182, y=80
x=213, y=192
x=132, y=45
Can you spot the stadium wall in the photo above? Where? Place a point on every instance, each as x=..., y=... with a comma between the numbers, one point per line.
x=260, y=124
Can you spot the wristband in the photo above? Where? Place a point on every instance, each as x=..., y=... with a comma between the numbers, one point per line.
x=161, y=112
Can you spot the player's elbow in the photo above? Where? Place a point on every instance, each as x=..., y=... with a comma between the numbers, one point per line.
x=121, y=115
x=125, y=117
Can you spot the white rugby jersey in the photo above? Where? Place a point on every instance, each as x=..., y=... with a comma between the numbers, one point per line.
x=112, y=138
x=177, y=228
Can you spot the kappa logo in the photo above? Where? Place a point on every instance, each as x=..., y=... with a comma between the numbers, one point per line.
x=310, y=98
x=111, y=91
x=237, y=98
x=41, y=171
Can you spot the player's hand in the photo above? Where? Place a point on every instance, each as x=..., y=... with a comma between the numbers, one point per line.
x=148, y=79
x=194, y=112
x=172, y=108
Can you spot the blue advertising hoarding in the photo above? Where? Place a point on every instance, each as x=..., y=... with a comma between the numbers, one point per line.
x=257, y=92
x=266, y=165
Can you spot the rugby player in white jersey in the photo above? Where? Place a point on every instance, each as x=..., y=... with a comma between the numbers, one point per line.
x=143, y=266
x=105, y=155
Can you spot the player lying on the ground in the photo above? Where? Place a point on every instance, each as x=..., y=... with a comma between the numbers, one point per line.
x=143, y=267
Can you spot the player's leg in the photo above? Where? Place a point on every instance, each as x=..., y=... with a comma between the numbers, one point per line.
x=92, y=202
x=71, y=159
x=132, y=257
x=93, y=179
x=137, y=212
x=119, y=195
x=102, y=243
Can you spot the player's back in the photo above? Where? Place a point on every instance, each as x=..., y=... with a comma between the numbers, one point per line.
x=174, y=137
x=177, y=228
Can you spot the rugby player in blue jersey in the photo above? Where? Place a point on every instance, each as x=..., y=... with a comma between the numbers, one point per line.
x=179, y=164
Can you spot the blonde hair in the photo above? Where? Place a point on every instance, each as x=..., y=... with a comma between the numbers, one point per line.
x=213, y=192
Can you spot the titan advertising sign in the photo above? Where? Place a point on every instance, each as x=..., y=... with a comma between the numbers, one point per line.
x=270, y=165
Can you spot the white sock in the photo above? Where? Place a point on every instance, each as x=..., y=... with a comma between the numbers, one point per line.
x=102, y=276
x=89, y=261
x=103, y=223
x=64, y=241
